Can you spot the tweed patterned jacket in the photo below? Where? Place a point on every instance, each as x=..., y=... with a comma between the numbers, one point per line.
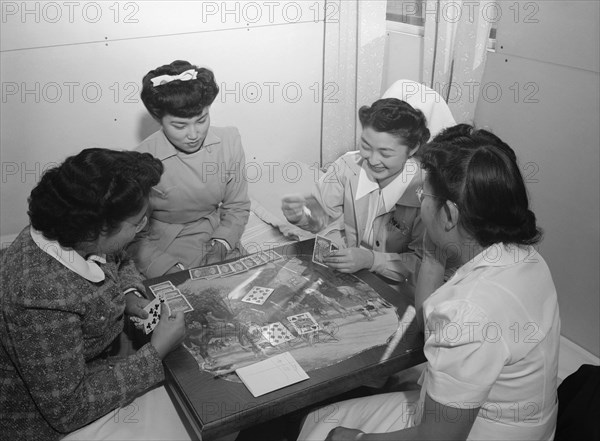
x=55, y=326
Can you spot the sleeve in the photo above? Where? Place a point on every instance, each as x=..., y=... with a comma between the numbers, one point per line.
x=129, y=275
x=402, y=266
x=68, y=390
x=465, y=352
x=235, y=207
x=148, y=257
x=326, y=204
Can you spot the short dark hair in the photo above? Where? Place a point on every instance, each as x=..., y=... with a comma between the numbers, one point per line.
x=479, y=173
x=398, y=118
x=184, y=99
x=92, y=192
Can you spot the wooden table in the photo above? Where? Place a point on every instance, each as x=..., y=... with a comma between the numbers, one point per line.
x=212, y=407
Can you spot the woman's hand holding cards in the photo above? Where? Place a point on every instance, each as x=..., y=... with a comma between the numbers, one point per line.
x=134, y=305
x=169, y=332
x=350, y=260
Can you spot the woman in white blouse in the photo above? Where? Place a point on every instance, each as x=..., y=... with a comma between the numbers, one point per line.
x=491, y=331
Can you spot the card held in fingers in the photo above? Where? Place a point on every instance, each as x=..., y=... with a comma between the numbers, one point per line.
x=153, y=310
x=321, y=250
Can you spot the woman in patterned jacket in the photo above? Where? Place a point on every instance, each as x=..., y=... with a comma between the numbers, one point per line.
x=66, y=285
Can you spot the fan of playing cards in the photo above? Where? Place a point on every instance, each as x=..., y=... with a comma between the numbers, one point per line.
x=163, y=292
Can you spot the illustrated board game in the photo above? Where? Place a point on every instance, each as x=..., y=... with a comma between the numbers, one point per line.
x=264, y=304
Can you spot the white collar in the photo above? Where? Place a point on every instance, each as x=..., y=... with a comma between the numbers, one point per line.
x=70, y=258
x=392, y=192
x=498, y=254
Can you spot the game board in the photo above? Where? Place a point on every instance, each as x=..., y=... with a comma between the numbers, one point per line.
x=281, y=304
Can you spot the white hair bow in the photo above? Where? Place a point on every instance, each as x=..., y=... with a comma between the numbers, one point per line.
x=183, y=76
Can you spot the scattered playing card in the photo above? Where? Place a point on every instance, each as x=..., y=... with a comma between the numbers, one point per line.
x=322, y=249
x=257, y=295
x=206, y=272
x=179, y=303
x=303, y=323
x=276, y=333
x=153, y=310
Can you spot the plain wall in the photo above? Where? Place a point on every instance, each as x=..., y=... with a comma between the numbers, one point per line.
x=542, y=97
x=403, y=57
x=71, y=79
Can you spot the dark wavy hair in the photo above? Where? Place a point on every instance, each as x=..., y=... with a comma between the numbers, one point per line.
x=479, y=173
x=92, y=192
x=398, y=118
x=184, y=99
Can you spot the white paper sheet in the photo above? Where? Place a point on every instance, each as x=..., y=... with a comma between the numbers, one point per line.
x=271, y=374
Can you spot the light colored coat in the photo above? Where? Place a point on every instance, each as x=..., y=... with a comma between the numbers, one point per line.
x=200, y=197
x=398, y=234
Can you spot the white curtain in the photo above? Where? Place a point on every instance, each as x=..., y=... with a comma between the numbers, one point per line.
x=353, y=65
x=455, y=46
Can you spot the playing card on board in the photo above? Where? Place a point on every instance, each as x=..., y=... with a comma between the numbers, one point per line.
x=257, y=295
x=274, y=255
x=303, y=323
x=161, y=286
x=276, y=333
x=321, y=250
x=226, y=269
x=179, y=303
x=238, y=266
x=264, y=257
x=250, y=262
x=169, y=294
x=206, y=272
x=153, y=310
